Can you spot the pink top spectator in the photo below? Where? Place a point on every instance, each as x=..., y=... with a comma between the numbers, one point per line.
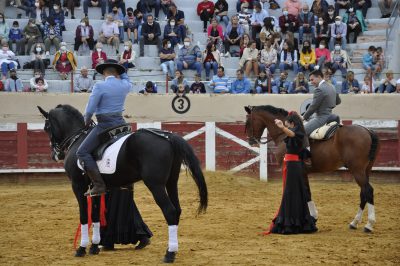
x=219, y=29
x=321, y=52
x=293, y=6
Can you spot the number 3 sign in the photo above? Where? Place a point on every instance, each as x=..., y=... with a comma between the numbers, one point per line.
x=180, y=104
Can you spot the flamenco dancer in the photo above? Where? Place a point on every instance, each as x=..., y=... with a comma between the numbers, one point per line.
x=293, y=216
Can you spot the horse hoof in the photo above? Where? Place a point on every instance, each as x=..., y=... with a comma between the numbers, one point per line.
x=352, y=227
x=80, y=252
x=367, y=230
x=143, y=243
x=94, y=249
x=169, y=257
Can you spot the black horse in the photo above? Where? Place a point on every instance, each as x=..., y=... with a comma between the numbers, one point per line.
x=143, y=156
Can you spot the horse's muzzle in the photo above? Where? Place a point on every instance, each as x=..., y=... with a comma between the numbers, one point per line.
x=252, y=141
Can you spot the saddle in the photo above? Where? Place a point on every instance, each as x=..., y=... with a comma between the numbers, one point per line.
x=328, y=130
x=110, y=136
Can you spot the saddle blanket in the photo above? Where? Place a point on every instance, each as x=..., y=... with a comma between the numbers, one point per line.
x=108, y=163
x=325, y=132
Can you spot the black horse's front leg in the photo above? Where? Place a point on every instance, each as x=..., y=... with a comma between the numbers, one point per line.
x=94, y=248
x=79, y=189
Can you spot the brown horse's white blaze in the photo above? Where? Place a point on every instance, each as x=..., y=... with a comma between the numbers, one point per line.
x=353, y=147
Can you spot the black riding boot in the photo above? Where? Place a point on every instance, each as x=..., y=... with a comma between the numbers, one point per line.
x=98, y=183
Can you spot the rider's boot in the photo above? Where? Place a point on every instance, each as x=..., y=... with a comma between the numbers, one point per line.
x=99, y=187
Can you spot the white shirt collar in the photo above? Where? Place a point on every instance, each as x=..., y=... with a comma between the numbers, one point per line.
x=320, y=83
x=109, y=77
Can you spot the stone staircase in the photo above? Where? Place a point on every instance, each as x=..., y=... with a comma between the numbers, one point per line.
x=147, y=68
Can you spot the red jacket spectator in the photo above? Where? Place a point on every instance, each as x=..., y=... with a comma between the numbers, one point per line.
x=96, y=57
x=205, y=5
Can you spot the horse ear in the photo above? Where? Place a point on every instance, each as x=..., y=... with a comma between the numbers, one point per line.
x=43, y=112
x=248, y=109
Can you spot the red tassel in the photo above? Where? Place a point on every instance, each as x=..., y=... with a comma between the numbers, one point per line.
x=77, y=234
x=103, y=221
x=89, y=211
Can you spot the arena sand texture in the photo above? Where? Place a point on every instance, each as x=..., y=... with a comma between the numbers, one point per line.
x=39, y=218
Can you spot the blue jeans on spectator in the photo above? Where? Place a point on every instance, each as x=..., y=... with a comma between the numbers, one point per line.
x=225, y=19
x=208, y=66
x=5, y=67
x=333, y=41
x=194, y=65
x=294, y=67
x=336, y=66
x=147, y=8
x=120, y=4
x=128, y=65
x=303, y=69
x=168, y=67
x=271, y=68
x=308, y=30
x=87, y=3
x=121, y=33
x=388, y=88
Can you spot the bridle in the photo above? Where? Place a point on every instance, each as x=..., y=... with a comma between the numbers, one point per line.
x=251, y=132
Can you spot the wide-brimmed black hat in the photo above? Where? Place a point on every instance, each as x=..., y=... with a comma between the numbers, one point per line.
x=110, y=63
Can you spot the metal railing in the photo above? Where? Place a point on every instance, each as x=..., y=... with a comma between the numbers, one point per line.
x=392, y=21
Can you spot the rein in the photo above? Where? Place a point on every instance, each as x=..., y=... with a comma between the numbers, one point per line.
x=259, y=141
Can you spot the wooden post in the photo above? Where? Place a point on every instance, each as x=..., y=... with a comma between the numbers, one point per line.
x=210, y=146
x=166, y=83
x=264, y=159
x=22, y=145
x=72, y=81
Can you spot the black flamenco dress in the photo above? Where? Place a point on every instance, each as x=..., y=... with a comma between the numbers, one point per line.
x=293, y=216
x=124, y=222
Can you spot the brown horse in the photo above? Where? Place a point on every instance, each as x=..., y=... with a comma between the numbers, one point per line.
x=353, y=147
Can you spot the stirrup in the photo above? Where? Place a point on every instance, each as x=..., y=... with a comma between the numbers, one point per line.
x=91, y=194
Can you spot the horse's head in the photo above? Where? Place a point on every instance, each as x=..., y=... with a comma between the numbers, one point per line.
x=60, y=123
x=260, y=117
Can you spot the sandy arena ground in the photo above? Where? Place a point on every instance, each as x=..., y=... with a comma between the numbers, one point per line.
x=38, y=220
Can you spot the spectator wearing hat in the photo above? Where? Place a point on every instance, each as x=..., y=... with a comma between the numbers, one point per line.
x=4, y=28
x=84, y=35
x=118, y=18
x=82, y=82
x=64, y=61
x=388, y=84
x=52, y=35
x=39, y=59
x=109, y=33
x=205, y=10
x=150, y=87
x=13, y=83
x=7, y=59
x=151, y=33
x=127, y=58
x=167, y=58
x=189, y=57
x=38, y=83
x=15, y=36
x=95, y=3
x=338, y=33
x=32, y=35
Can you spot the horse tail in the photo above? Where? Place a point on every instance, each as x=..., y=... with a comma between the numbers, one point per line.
x=374, y=146
x=185, y=151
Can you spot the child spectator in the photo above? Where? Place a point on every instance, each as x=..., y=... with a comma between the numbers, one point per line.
x=322, y=55
x=379, y=60
x=205, y=10
x=300, y=84
x=64, y=61
x=268, y=58
x=350, y=85
x=366, y=87
x=189, y=57
x=388, y=84
x=38, y=83
x=15, y=36
x=167, y=57
x=340, y=61
x=221, y=11
x=233, y=34
x=241, y=84
x=281, y=85
x=179, y=80
x=288, y=58
x=220, y=83
x=7, y=59
x=13, y=83
x=367, y=60
x=127, y=58
x=150, y=87
x=262, y=83
x=82, y=82
x=249, y=60
x=211, y=59
x=307, y=57
x=197, y=86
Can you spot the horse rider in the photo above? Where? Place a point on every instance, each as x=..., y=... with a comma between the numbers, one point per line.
x=107, y=102
x=324, y=100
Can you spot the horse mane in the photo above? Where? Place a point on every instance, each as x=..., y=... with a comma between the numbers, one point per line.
x=72, y=112
x=271, y=109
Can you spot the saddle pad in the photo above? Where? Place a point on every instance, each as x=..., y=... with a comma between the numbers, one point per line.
x=324, y=132
x=108, y=164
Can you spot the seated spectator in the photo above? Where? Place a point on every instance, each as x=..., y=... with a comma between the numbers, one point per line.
x=366, y=87
x=257, y=19
x=289, y=37
x=197, y=86
x=321, y=31
x=64, y=61
x=118, y=19
x=386, y=7
x=221, y=11
x=28, y=6
x=293, y=7
x=215, y=34
x=165, y=4
x=244, y=43
x=379, y=60
x=281, y=85
x=82, y=82
x=362, y=5
x=15, y=36
x=287, y=22
x=350, y=85
x=94, y=3
x=330, y=16
x=38, y=83
x=338, y=33
x=300, y=84
x=69, y=5
x=268, y=58
x=342, y=4
x=147, y=5
x=117, y=3
x=307, y=57
x=220, y=83
x=276, y=42
x=52, y=35
x=211, y=59
x=249, y=60
x=172, y=32
x=167, y=58
x=354, y=24
x=245, y=18
x=109, y=33
x=179, y=80
x=130, y=26
x=319, y=8
x=127, y=58
x=151, y=34
x=328, y=77
x=322, y=55
x=262, y=83
x=306, y=22
x=4, y=28
x=84, y=35
x=398, y=86
x=288, y=58
x=57, y=15
x=99, y=56
x=270, y=26
x=233, y=34
x=39, y=61
x=367, y=61
x=189, y=57
x=340, y=61
x=32, y=35
x=38, y=14
x=139, y=21
x=179, y=16
x=240, y=4
x=150, y=87
x=7, y=59
x=388, y=84
x=241, y=84
x=13, y=83
x=262, y=38
x=205, y=10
